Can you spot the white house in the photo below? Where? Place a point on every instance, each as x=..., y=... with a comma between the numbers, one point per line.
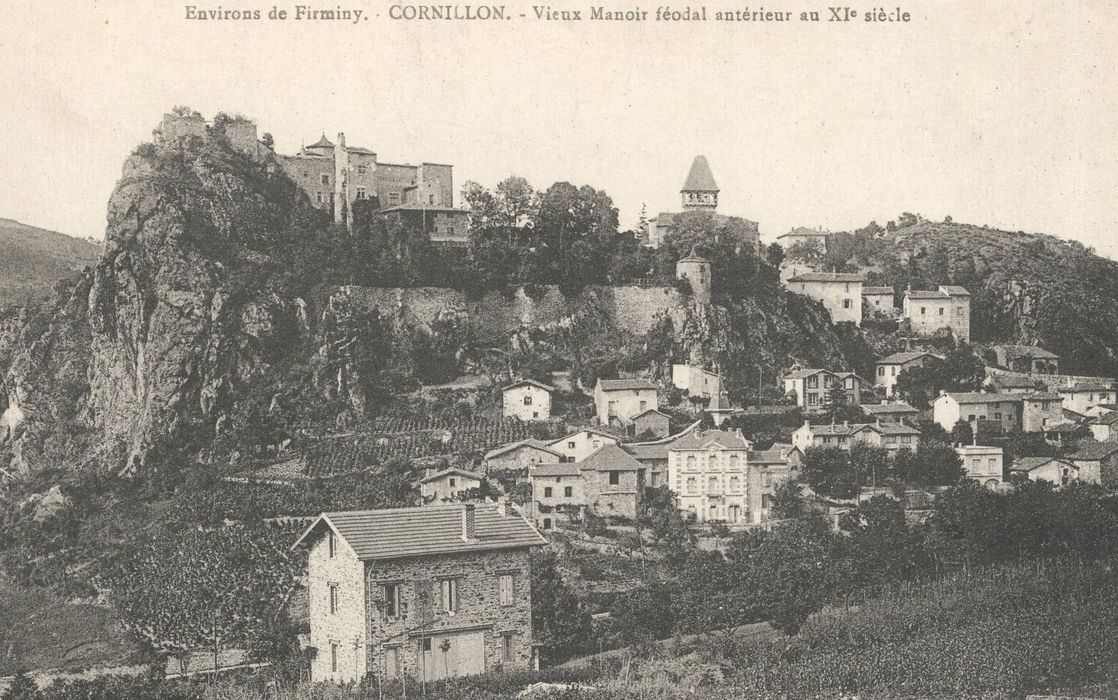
x=982, y=463
x=581, y=444
x=840, y=292
x=879, y=299
x=709, y=472
x=522, y=454
x=951, y=407
x=1050, y=469
x=812, y=388
x=696, y=381
x=891, y=436
x=527, y=399
x=617, y=401
x=889, y=368
x=447, y=484
x=947, y=308
x=1105, y=427
x=1083, y=396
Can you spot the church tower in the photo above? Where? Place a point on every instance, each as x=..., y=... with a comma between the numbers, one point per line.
x=700, y=191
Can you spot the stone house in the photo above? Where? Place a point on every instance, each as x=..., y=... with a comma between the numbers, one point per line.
x=889, y=368
x=527, y=400
x=1051, y=469
x=840, y=292
x=447, y=484
x=607, y=483
x=895, y=412
x=1041, y=411
x=947, y=308
x=983, y=464
x=443, y=590
x=650, y=422
x=891, y=436
x=557, y=494
x=1027, y=359
x=1083, y=396
x=581, y=444
x=951, y=407
x=812, y=388
x=767, y=468
x=696, y=381
x=521, y=455
x=710, y=474
x=878, y=299
x=1014, y=384
x=1097, y=462
x=1105, y=427
x=618, y=400
x=802, y=234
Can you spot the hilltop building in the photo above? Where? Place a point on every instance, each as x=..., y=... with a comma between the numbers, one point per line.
x=840, y=292
x=443, y=590
x=699, y=194
x=335, y=176
x=812, y=388
x=527, y=399
x=947, y=308
x=808, y=236
x=878, y=300
x=619, y=401
x=1027, y=359
x=696, y=270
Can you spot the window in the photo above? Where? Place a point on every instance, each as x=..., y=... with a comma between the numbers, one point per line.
x=449, y=591
x=324, y=179
x=318, y=198
x=690, y=461
x=362, y=169
x=333, y=598
x=506, y=646
x=846, y=303
x=850, y=382
x=644, y=405
x=361, y=193
x=547, y=492
x=431, y=199
x=712, y=484
x=941, y=311
x=452, y=481
x=923, y=310
x=425, y=644
x=527, y=400
x=735, y=483
x=390, y=593
x=692, y=484
x=568, y=491
x=812, y=399
x=504, y=589
x=812, y=382
x=333, y=657
x=393, y=197
x=881, y=371
x=614, y=478
x=571, y=444
x=332, y=543
x=391, y=663
x=547, y=523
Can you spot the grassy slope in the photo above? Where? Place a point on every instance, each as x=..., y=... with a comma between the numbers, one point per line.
x=32, y=259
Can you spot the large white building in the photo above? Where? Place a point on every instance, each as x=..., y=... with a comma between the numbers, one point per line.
x=709, y=472
x=982, y=463
x=840, y=292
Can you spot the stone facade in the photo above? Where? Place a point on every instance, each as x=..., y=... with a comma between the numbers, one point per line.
x=929, y=312
x=339, y=636
x=1040, y=411
x=612, y=492
x=983, y=464
x=616, y=401
x=1004, y=409
x=579, y=445
x=526, y=400
x=840, y=293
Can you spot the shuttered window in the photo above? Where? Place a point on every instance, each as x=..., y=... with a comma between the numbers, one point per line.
x=504, y=589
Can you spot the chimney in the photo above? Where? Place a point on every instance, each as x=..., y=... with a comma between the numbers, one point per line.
x=807, y=423
x=502, y=506
x=469, y=523
x=341, y=139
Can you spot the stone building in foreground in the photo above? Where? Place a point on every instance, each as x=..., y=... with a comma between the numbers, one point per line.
x=432, y=592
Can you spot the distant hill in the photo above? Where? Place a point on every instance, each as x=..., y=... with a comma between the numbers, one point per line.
x=33, y=259
x=1028, y=288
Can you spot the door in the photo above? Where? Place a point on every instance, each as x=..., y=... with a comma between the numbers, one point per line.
x=452, y=655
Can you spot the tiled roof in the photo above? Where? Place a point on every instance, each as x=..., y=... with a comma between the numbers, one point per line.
x=425, y=207
x=610, y=458
x=556, y=469
x=395, y=533
x=322, y=143
x=530, y=442
x=700, y=179
x=772, y=456
x=876, y=290
x=976, y=397
x=1085, y=386
x=1090, y=451
x=529, y=382
x=1028, y=464
x=592, y=431
x=623, y=384
x=1015, y=381
x=851, y=428
x=804, y=231
x=1062, y=427
x=453, y=471
x=1027, y=351
x=804, y=373
x=955, y=290
x=924, y=294
x=649, y=452
x=828, y=277
x=885, y=409
x=646, y=412
x=1042, y=396
x=901, y=358
x=729, y=439
x=1107, y=418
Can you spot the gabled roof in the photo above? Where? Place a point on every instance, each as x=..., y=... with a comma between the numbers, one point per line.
x=851, y=428
x=976, y=397
x=955, y=290
x=453, y=471
x=1028, y=464
x=530, y=442
x=876, y=290
x=806, y=372
x=700, y=178
x=828, y=277
x=610, y=458
x=924, y=294
x=845, y=375
x=395, y=533
x=647, y=411
x=556, y=469
x=698, y=440
x=903, y=358
x=1085, y=386
x=1093, y=451
x=1107, y=418
x=1027, y=351
x=528, y=382
x=805, y=231
x=772, y=456
x=322, y=143
x=888, y=409
x=623, y=384
x=1041, y=396
x=1014, y=382
x=592, y=431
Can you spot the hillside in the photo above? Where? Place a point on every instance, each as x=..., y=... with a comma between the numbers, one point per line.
x=33, y=259
x=1028, y=288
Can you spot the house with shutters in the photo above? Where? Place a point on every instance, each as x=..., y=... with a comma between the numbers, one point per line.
x=878, y=300
x=951, y=407
x=889, y=368
x=582, y=443
x=607, y=483
x=840, y=292
x=618, y=401
x=812, y=388
x=709, y=472
x=944, y=309
x=891, y=436
x=1097, y=462
x=527, y=400
x=432, y=592
x=1082, y=396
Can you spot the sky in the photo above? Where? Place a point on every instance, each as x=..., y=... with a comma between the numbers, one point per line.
x=997, y=113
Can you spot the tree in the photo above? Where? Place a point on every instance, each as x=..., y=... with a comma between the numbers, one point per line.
x=961, y=433
x=881, y=546
x=787, y=500
x=829, y=472
x=22, y=687
x=558, y=619
x=933, y=464
x=810, y=252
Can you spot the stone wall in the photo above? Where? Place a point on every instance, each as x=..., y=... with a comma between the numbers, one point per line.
x=633, y=309
x=346, y=627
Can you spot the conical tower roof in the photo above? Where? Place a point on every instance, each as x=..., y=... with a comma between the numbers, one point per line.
x=322, y=143
x=700, y=179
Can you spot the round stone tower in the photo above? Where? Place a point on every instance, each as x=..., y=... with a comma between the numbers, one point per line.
x=696, y=270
